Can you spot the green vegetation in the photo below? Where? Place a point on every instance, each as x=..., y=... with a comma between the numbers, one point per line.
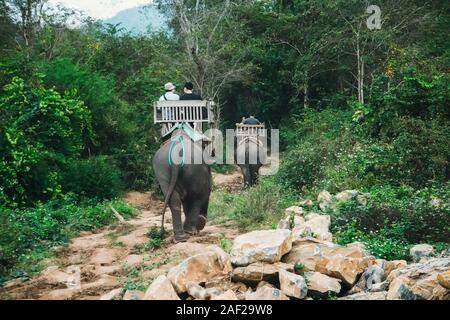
x=357, y=109
x=133, y=281
x=26, y=235
x=299, y=268
x=226, y=244
x=395, y=218
x=257, y=207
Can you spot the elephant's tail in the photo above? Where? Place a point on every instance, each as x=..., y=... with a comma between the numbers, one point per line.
x=174, y=171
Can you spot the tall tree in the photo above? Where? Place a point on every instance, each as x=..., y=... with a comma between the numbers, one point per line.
x=212, y=44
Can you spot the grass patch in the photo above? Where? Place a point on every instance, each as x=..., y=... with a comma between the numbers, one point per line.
x=154, y=242
x=261, y=206
x=133, y=280
x=226, y=244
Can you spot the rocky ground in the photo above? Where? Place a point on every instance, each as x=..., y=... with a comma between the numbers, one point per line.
x=296, y=261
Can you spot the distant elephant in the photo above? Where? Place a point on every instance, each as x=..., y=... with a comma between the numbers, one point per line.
x=183, y=183
x=250, y=156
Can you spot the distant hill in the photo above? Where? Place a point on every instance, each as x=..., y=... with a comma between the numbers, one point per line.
x=139, y=19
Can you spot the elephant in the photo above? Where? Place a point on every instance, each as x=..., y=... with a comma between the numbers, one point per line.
x=184, y=184
x=250, y=156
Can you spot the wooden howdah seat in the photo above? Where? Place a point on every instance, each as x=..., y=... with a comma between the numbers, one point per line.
x=250, y=130
x=195, y=113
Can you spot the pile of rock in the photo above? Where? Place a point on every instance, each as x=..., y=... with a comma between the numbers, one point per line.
x=298, y=260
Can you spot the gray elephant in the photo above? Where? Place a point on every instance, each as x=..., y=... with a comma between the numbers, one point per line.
x=184, y=184
x=250, y=156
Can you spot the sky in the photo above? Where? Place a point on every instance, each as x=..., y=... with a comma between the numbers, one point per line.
x=100, y=9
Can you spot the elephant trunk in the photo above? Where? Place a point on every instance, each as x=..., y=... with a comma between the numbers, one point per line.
x=175, y=169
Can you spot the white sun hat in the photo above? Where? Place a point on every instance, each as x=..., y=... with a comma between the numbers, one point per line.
x=169, y=86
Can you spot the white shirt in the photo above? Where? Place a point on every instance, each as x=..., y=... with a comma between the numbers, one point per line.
x=170, y=96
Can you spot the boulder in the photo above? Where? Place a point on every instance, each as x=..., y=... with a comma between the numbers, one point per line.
x=363, y=199
x=213, y=292
x=306, y=203
x=133, y=295
x=316, y=225
x=358, y=244
x=199, y=293
x=261, y=246
x=223, y=283
x=321, y=285
x=444, y=279
x=298, y=221
x=187, y=249
x=314, y=254
x=311, y=253
x=419, y=281
x=372, y=276
x=115, y=294
x=325, y=200
x=196, y=291
x=214, y=262
x=366, y=296
x=290, y=222
x=293, y=285
x=421, y=250
x=284, y=223
x=294, y=210
x=380, y=287
x=257, y=272
x=346, y=195
x=161, y=289
x=266, y=293
x=228, y=295
x=444, y=254
x=264, y=283
x=350, y=251
x=389, y=266
x=347, y=269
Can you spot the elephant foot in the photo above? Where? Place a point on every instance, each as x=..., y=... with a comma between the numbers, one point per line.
x=201, y=222
x=180, y=237
x=192, y=232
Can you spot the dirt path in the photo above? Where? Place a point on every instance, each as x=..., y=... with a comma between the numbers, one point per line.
x=118, y=256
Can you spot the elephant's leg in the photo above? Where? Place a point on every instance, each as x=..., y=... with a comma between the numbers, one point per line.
x=192, y=217
x=246, y=174
x=175, y=208
x=255, y=174
x=202, y=218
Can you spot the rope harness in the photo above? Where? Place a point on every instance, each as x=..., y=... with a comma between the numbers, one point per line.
x=173, y=142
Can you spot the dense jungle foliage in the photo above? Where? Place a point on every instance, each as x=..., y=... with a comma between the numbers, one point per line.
x=357, y=108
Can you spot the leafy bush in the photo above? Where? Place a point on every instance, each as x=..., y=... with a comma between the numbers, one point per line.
x=377, y=242
x=96, y=177
x=394, y=219
x=23, y=232
x=40, y=129
x=414, y=152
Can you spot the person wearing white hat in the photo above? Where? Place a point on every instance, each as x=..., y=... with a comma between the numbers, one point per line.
x=170, y=94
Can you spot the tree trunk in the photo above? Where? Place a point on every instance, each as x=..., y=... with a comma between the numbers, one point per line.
x=306, y=95
x=360, y=76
